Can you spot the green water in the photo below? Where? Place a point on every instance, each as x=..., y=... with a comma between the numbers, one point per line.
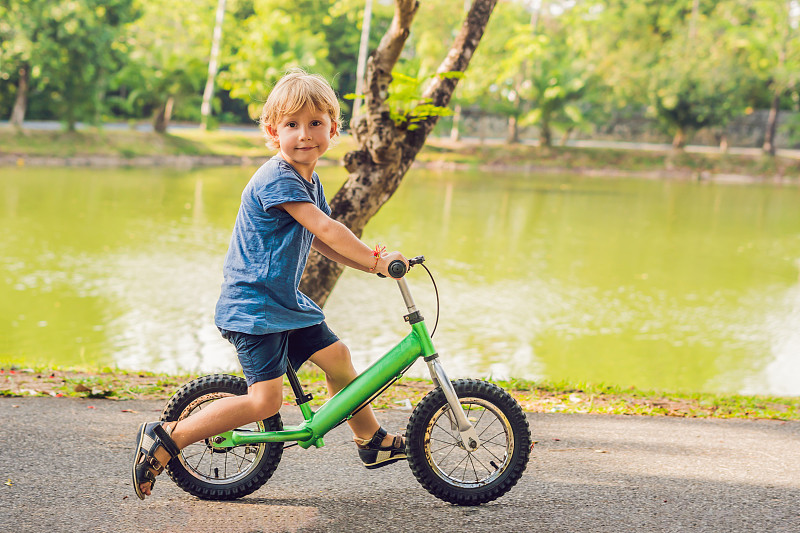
x=658, y=284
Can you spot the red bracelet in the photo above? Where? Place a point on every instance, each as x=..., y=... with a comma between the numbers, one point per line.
x=377, y=252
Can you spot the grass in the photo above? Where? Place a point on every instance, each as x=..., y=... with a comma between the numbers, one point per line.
x=127, y=144
x=534, y=396
x=124, y=143
x=574, y=158
x=131, y=143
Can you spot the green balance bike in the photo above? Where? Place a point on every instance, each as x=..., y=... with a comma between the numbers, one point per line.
x=467, y=441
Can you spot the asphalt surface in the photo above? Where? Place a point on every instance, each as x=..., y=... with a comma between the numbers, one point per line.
x=65, y=466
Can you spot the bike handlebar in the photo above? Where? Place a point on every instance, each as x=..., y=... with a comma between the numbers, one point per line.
x=397, y=269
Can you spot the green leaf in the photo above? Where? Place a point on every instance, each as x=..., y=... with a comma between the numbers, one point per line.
x=574, y=113
x=532, y=117
x=453, y=74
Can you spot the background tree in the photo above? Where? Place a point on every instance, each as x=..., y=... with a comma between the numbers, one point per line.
x=79, y=48
x=625, y=38
x=768, y=31
x=387, y=148
x=672, y=57
x=273, y=39
x=22, y=24
x=697, y=80
x=313, y=34
x=545, y=72
x=167, y=61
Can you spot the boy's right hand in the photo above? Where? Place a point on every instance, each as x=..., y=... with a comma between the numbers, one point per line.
x=386, y=259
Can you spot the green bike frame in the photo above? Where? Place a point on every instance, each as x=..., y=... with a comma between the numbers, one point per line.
x=364, y=389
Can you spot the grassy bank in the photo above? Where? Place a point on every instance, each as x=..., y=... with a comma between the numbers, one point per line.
x=127, y=144
x=666, y=163
x=560, y=397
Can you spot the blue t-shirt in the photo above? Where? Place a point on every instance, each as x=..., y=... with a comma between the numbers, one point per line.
x=267, y=255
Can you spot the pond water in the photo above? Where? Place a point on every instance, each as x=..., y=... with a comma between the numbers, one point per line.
x=670, y=285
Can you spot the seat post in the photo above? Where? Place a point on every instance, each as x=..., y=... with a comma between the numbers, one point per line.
x=297, y=388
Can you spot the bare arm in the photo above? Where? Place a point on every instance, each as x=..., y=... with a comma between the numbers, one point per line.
x=329, y=252
x=331, y=236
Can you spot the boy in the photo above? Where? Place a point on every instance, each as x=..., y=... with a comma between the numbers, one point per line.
x=260, y=310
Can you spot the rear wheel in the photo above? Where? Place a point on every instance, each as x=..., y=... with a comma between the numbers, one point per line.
x=214, y=473
x=445, y=467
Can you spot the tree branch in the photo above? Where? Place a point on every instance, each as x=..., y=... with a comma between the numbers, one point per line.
x=457, y=60
x=386, y=152
x=376, y=132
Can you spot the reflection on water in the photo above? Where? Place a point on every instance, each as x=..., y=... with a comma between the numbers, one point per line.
x=783, y=327
x=671, y=285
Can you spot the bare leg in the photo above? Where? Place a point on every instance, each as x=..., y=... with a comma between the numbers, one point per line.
x=339, y=371
x=263, y=399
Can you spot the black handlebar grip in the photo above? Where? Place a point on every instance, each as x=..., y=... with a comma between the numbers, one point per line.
x=397, y=269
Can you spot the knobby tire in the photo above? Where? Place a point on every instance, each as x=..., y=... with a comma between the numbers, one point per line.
x=195, y=470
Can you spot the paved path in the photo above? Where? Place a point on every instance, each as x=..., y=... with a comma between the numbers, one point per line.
x=68, y=465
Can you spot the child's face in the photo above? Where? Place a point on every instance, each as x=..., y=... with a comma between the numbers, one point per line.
x=303, y=137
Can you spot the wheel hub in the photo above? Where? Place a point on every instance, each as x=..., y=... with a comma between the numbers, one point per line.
x=210, y=444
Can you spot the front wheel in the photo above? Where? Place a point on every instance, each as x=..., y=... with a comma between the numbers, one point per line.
x=445, y=467
x=214, y=473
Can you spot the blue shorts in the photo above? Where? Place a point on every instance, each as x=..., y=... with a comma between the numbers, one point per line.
x=265, y=357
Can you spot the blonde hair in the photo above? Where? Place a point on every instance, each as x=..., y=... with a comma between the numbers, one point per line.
x=294, y=91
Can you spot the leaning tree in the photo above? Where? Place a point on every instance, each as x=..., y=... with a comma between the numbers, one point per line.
x=387, y=147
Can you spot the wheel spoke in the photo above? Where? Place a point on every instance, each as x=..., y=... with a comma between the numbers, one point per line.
x=481, y=417
x=455, y=467
x=243, y=459
x=475, y=458
x=201, y=457
x=474, y=470
x=494, y=437
x=443, y=448
x=185, y=456
x=446, y=431
x=443, y=459
x=492, y=454
x=488, y=426
x=453, y=443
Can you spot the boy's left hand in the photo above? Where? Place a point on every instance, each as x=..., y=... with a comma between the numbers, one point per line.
x=386, y=259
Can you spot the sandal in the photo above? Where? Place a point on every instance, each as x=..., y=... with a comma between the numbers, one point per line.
x=145, y=465
x=373, y=455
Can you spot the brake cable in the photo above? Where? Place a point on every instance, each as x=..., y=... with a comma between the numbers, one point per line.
x=436, y=290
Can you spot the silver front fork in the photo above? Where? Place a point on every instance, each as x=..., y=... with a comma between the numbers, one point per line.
x=458, y=420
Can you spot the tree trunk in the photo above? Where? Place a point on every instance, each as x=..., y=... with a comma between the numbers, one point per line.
x=545, y=134
x=679, y=140
x=21, y=102
x=208, y=92
x=723, y=143
x=512, y=135
x=483, y=127
x=772, y=125
x=566, y=136
x=162, y=118
x=387, y=150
